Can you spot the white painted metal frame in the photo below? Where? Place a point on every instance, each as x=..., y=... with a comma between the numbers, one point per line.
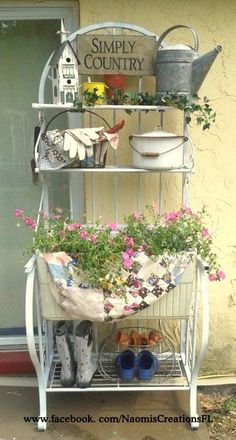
x=46, y=362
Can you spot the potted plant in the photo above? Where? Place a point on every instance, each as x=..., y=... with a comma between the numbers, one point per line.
x=113, y=271
x=113, y=82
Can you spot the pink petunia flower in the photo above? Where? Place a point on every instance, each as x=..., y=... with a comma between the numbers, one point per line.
x=221, y=274
x=129, y=241
x=71, y=227
x=57, y=216
x=130, y=252
x=125, y=256
x=33, y=225
x=186, y=209
x=27, y=221
x=92, y=238
x=113, y=227
x=205, y=232
x=127, y=264
x=83, y=234
x=136, y=215
x=211, y=277
x=172, y=215
x=18, y=212
x=62, y=234
x=77, y=225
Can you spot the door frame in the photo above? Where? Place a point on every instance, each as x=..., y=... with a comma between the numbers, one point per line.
x=46, y=10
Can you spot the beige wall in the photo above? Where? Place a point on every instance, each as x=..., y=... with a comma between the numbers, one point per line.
x=214, y=183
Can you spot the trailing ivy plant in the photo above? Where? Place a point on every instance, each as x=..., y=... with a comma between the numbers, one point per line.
x=193, y=105
x=89, y=99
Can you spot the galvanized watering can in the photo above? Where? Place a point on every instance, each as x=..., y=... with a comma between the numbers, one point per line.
x=179, y=68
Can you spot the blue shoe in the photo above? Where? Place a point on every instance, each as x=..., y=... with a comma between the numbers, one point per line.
x=147, y=365
x=126, y=364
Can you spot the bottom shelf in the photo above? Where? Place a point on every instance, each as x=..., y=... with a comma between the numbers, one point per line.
x=172, y=375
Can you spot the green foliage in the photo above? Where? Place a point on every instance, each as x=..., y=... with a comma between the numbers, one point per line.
x=191, y=105
x=89, y=99
x=229, y=404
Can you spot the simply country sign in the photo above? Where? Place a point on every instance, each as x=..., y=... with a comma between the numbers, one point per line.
x=130, y=55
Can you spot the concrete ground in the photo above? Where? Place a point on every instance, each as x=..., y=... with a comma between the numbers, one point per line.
x=18, y=402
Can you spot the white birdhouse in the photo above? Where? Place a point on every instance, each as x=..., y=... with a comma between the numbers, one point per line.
x=64, y=64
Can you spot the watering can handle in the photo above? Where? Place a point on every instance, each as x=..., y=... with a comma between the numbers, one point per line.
x=177, y=26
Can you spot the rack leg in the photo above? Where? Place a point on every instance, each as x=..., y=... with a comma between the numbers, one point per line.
x=193, y=406
x=30, y=270
x=203, y=346
x=42, y=424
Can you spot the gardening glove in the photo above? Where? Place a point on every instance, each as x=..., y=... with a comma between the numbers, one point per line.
x=81, y=138
x=86, y=135
x=73, y=146
x=92, y=133
x=89, y=151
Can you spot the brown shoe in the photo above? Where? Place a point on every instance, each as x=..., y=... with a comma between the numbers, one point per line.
x=154, y=337
x=121, y=338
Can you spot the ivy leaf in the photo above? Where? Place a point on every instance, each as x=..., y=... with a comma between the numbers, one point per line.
x=199, y=120
x=206, y=126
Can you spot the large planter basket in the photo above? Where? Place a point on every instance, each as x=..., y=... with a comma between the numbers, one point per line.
x=176, y=303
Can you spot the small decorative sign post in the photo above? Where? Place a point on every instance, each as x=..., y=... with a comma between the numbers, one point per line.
x=130, y=55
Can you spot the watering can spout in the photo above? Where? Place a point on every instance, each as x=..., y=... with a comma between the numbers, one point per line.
x=201, y=66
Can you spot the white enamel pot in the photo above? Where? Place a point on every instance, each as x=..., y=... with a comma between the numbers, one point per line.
x=157, y=150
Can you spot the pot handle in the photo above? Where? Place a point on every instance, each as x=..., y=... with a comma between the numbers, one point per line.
x=150, y=154
x=177, y=26
x=130, y=139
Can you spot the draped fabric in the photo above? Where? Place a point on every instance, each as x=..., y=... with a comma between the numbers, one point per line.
x=152, y=278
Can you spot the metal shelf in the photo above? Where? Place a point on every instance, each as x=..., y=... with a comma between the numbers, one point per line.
x=168, y=378
x=118, y=169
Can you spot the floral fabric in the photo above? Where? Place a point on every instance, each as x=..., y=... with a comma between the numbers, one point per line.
x=151, y=279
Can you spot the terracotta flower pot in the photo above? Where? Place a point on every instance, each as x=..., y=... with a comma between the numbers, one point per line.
x=116, y=81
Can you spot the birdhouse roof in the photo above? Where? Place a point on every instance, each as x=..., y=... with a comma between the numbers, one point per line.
x=58, y=52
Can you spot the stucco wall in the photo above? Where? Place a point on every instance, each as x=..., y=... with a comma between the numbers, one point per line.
x=214, y=183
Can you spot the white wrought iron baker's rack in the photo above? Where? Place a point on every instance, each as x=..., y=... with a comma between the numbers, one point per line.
x=183, y=305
